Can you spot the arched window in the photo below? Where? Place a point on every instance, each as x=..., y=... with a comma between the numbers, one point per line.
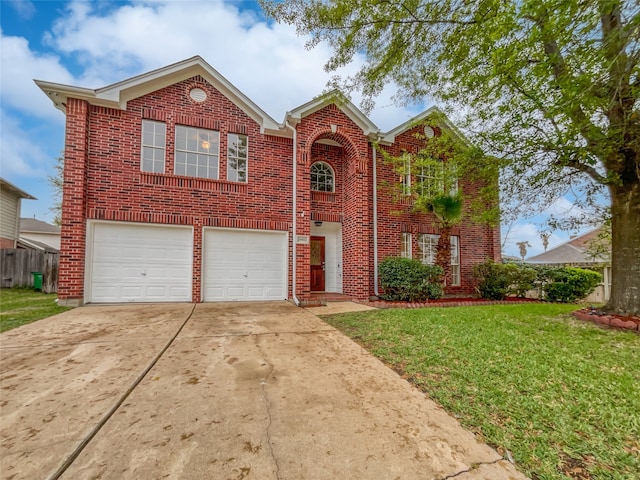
x=322, y=177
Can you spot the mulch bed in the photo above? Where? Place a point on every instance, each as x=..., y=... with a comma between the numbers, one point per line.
x=448, y=302
x=593, y=315
x=586, y=314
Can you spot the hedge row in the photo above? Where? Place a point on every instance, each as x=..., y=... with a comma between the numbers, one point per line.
x=557, y=284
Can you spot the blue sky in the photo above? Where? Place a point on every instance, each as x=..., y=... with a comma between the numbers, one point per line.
x=93, y=44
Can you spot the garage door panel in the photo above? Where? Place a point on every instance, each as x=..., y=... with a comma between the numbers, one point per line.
x=140, y=263
x=244, y=265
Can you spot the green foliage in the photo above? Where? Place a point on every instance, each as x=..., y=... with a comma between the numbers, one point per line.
x=562, y=396
x=494, y=279
x=568, y=284
x=56, y=182
x=523, y=279
x=555, y=284
x=19, y=306
x=549, y=87
x=408, y=279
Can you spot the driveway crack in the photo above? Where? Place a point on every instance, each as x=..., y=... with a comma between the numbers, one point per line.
x=105, y=418
x=473, y=466
x=267, y=401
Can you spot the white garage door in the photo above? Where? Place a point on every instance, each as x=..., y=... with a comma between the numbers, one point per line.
x=244, y=265
x=140, y=263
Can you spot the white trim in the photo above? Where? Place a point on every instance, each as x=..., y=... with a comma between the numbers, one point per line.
x=89, y=243
x=118, y=94
x=285, y=252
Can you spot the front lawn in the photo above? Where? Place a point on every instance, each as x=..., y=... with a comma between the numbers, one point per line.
x=559, y=396
x=19, y=306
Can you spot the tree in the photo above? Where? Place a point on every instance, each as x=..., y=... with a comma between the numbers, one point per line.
x=549, y=88
x=544, y=236
x=56, y=182
x=431, y=179
x=522, y=246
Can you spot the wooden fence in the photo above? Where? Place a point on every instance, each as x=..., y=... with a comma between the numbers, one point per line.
x=17, y=266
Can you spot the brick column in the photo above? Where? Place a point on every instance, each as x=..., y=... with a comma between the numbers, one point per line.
x=74, y=227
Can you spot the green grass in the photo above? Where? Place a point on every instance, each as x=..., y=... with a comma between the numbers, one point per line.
x=561, y=396
x=19, y=306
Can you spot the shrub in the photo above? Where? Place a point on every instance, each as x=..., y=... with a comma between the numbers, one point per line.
x=407, y=279
x=494, y=279
x=523, y=279
x=568, y=284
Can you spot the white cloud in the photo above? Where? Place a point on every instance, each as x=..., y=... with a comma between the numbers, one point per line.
x=268, y=62
x=21, y=154
x=528, y=232
x=20, y=65
x=563, y=208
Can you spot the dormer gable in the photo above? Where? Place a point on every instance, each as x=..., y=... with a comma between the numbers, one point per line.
x=369, y=129
x=431, y=113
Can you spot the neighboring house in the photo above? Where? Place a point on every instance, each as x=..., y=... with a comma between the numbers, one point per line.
x=43, y=233
x=10, y=201
x=576, y=253
x=179, y=188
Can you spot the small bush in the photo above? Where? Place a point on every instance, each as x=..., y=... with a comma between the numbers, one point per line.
x=568, y=284
x=523, y=279
x=408, y=279
x=494, y=279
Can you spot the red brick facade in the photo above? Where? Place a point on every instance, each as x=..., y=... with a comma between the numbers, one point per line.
x=103, y=181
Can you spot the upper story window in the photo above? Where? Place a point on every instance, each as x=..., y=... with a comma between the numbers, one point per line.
x=237, y=158
x=322, y=177
x=154, y=136
x=430, y=178
x=405, y=177
x=197, y=152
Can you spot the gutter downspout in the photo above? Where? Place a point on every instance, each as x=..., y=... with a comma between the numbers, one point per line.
x=375, y=222
x=295, y=213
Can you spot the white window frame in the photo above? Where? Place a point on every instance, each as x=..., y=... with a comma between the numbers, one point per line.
x=153, y=146
x=237, y=155
x=405, y=178
x=199, y=154
x=327, y=168
x=405, y=246
x=427, y=243
x=455, y=261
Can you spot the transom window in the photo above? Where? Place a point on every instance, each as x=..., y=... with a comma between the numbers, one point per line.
x=153, y=146
x=322, y=177
x=237, y=158
x=197, y=152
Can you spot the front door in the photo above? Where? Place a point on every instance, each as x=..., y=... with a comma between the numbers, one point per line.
x=317, y=264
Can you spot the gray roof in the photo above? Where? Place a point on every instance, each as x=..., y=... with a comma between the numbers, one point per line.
x=35, y=245
x=17, y=191
x=33, y=225
x=575, y=251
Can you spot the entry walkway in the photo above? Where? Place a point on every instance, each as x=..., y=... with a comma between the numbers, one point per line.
x=217, y=391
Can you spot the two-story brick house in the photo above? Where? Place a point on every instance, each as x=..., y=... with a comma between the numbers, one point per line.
x=177, y=187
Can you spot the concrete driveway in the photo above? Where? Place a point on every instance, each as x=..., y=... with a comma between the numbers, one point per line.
x=217, y=391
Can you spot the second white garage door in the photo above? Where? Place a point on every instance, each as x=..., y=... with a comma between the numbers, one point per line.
x=244, y=265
